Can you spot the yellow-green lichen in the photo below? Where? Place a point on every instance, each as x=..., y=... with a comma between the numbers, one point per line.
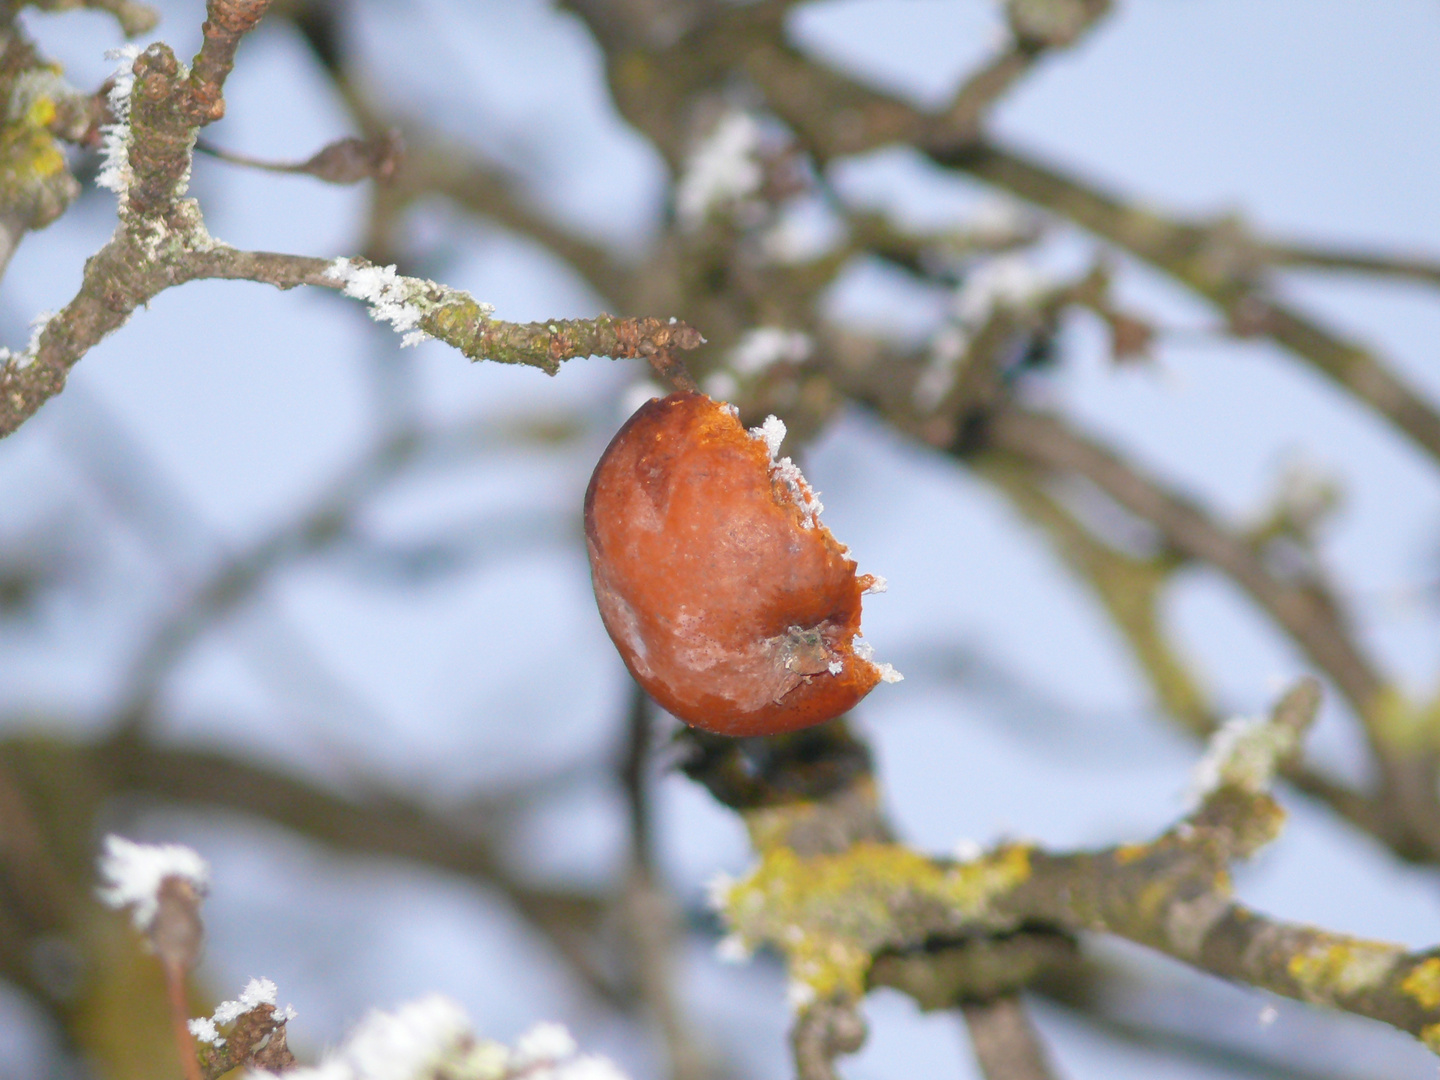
x=1401, y=723
x=971, y=885
x=1129, y=853
x=829, y=914
x=28, y=150
x=1335, y=968
x=1423, y=983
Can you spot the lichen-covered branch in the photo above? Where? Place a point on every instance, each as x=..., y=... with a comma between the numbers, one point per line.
x=831, y=913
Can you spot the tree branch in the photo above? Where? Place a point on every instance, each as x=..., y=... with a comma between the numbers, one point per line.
x=1005, y=1041
x=831, y=913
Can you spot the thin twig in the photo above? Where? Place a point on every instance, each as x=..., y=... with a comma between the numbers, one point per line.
x=651, y=921
x=1006, y=1044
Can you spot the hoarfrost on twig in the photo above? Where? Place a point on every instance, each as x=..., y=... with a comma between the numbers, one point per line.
x=115, y=171
x=133, y=873
x=401, y=301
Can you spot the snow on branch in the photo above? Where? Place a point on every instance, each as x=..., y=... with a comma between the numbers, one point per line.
x=257, y=993
x=722, y=170
x=133, y=875
x=432, y=1039
x=400, y=301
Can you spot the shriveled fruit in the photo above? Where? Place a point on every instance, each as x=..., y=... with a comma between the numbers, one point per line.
x=730, y=602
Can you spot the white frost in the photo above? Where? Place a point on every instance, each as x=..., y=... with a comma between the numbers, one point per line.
x=407, y=1042
x=132, y=874
x=764, y=346
x=431, y=1039
x=257, y=992
x=803, y=495
x=877, y=585
x=1005, y=281
x=1245, y=752
x=27, y=356
x=1008, y=281
x=401, y=301
x=866, y=652
x=115, y=171
x=546, y=1042
x=724, y=168
x=966, y=850
x=835, y=667
x=771, y=433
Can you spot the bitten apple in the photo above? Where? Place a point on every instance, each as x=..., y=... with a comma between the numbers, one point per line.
x=729, y=600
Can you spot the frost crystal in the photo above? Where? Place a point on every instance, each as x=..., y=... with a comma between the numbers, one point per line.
x=724, y=168
x=257, y=992
x=431, y=1039
x=866, y=652
x=803, y=495
x=771, y=433
x=133, y=872
x=835, y=667
x=763, y=346
x=401, y=301
x=877, y=585
x=115, y=149
x=26, y=357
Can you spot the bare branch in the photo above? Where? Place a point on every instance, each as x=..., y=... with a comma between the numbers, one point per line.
x=1314, y=257
x=1309, y=616
x=1220, y=264
x=1005, y=1041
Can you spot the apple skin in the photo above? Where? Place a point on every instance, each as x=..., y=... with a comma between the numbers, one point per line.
x=729, y=601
